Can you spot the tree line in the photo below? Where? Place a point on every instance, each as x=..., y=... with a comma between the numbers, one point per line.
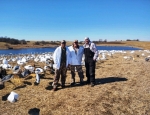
x=46, y=42
x=132, y=40
x=12, y=40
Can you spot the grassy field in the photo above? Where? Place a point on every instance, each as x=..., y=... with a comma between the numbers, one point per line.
x=122, y=88
x=141, y=44
x=138, y=44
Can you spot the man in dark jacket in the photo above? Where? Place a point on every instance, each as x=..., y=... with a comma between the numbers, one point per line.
x=2, y=74
x=91, y=55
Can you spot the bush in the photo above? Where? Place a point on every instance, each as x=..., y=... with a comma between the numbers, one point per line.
x=12, y=40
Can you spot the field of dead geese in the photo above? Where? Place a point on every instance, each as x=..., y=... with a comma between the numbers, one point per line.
x=122, y=88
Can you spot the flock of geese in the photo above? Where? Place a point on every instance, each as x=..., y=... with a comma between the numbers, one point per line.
x=22, y=69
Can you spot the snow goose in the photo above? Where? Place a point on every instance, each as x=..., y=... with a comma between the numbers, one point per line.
x=30, y=68
x=7, y=78
x=16, y=69
x=37, y=72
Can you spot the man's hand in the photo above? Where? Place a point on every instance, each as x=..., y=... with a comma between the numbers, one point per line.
x=94, y=59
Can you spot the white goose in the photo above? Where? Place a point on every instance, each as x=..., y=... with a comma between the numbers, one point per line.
x=6, y=66
x=103, y=56
x=30, y=68
x=20, y=62
x=16, y=69
x=37, y=72
x=6, y=78
x=5, y=61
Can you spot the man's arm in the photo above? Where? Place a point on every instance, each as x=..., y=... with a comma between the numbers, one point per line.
x=94, y=49
x=55, y=56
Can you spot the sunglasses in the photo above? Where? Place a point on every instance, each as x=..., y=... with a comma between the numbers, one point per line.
x=63, y=43
x=76, y=42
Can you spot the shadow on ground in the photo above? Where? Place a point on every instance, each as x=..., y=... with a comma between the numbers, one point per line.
x=2, y=86
x=27, y=83
x=4, y=98
x=50, y=87
x=110, y=80
x=19, y=87
x=43, y=76
x=34, y=111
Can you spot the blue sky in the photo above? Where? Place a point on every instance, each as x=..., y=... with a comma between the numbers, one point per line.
x=75, y=19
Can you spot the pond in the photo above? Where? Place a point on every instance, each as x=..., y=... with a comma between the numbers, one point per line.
x=43, y=50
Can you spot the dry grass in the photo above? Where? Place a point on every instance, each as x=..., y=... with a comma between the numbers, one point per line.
x=3, y=45
x=139, y=44
x=144, y=45
x=123, y=88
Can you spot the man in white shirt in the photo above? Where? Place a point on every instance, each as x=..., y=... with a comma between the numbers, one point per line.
x=61, y=59
x=76, y=53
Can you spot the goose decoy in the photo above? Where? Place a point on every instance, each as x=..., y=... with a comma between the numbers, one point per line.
x=49, y=68
x=7, y=78
x=13, y=97
x=16, y=69
x=30, y=68
x=25, y=73
x=37, y=72
x=6, y=66
x=20, y=62
x=37, y=81
x=146, y=59
x=5, y=61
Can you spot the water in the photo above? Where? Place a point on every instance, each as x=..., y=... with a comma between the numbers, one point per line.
x=117, y=48
x=27, y=50
x=43, y=50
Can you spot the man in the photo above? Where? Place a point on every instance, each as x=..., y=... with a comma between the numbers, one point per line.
x=91, y=55
x=76, y=53
x=61, y=59
x=2, y=74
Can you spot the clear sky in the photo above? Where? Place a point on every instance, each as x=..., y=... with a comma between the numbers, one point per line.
x=75, y=19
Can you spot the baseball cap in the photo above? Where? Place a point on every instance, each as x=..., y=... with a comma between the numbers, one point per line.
x=75, y=41
x=86, y=38
x=63, y=41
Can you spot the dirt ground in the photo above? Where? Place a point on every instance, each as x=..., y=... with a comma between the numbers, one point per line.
x=122, y=88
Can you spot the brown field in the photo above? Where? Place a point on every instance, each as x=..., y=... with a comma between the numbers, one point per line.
x=122, y=88
x=139, y=44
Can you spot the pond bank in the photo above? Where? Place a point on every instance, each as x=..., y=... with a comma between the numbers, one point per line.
x=137, y=44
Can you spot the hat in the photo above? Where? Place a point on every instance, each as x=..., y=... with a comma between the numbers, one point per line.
x=63, y=41
x=86, y=38
x=75, y=41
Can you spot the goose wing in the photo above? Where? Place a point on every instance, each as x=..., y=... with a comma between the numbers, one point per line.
x=7, y=78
